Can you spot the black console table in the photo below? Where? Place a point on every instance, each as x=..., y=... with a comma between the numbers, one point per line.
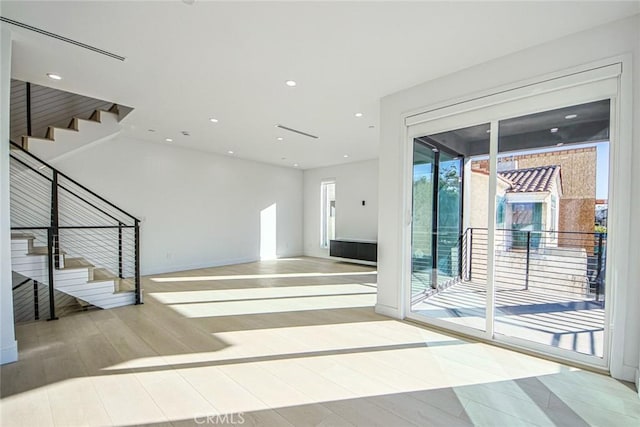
x=362, y=250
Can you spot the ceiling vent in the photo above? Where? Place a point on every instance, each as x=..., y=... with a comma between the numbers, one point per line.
x=61, y=38
x=299, y=132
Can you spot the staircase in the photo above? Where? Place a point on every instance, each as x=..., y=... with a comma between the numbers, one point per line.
x=76, y=277
x=77, y=248
x=58, y=141
x=50, y=122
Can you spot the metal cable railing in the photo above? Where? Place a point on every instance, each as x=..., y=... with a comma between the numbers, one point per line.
x=547, y=261
x=73, y=223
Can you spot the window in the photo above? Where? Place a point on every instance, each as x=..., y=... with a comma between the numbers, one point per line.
x=527, y=216
x=327, y=212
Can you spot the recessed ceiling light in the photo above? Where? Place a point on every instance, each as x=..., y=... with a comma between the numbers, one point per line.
x=290, y=83
x=168, y=139
x=553, y=130
x=230, y=152
x=213, y=120
x=279, y=138
x=345, y=156
x=571, y=116
x=295, y=165
x=358, y=114
x=54, y=76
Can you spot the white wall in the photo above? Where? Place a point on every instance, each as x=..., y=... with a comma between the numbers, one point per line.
x=355, y=182
x=8, y=345
x=617, y=38
x=198, y=209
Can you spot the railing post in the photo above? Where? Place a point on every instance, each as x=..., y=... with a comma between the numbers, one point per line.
x=137, y=261
x=28, y=109
x=36, y=309
x=52, y=302
x=526, y=279
x=599, y=272
x=120, y=273
x=55, y=219
x=470, y=262
x=462, y=257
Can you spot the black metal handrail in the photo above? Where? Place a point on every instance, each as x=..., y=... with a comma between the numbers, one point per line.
x=57, y=172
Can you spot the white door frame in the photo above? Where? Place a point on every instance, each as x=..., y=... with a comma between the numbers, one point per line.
x=587, y=83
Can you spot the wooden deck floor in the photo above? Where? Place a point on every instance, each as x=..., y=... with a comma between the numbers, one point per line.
x=559, y=320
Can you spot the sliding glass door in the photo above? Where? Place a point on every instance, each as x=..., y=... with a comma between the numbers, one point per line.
x=509, y=220
x=438, y=253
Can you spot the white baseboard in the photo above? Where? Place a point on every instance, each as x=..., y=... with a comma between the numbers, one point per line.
x=196, y=266
x=9, y=354
x=388, y=311
x=625, y=373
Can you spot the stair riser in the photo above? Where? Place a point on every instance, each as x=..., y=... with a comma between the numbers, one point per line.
x=76, y=282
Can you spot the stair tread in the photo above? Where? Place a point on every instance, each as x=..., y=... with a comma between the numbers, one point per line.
x=42, y=250
x=125, y=285
x=76, y=263
x=102, y=274
x=96, y=115
x=22, y=236
x=36, y=138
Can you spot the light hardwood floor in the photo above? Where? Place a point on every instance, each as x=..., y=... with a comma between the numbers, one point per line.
x=286, y=342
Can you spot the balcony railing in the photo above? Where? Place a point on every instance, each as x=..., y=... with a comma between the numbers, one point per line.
x=547, y=261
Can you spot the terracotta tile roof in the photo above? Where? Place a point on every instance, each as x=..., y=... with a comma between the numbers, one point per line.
x=530, y=180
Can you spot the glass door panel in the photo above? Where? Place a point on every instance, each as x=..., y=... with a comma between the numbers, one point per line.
x=447, y=284
x=422, y=225
x=550, y=258
x=448, y=219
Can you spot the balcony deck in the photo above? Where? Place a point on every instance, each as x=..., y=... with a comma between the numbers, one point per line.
x=571, y=322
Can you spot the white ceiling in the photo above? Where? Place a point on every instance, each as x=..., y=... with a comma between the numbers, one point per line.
x=185, y=64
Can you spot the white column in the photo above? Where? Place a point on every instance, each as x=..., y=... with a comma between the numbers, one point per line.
x=8, y=343
x=491, y=227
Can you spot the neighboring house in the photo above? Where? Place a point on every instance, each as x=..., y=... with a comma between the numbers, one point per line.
x=528, y=200
x=577, y=204
x=530, y=204
x=478, y=195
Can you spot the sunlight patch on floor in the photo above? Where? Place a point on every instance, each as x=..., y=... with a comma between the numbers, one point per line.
x=294, y=341
x=185, y=393
x=258, y=276
x=239, y=308
x=260, y=293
